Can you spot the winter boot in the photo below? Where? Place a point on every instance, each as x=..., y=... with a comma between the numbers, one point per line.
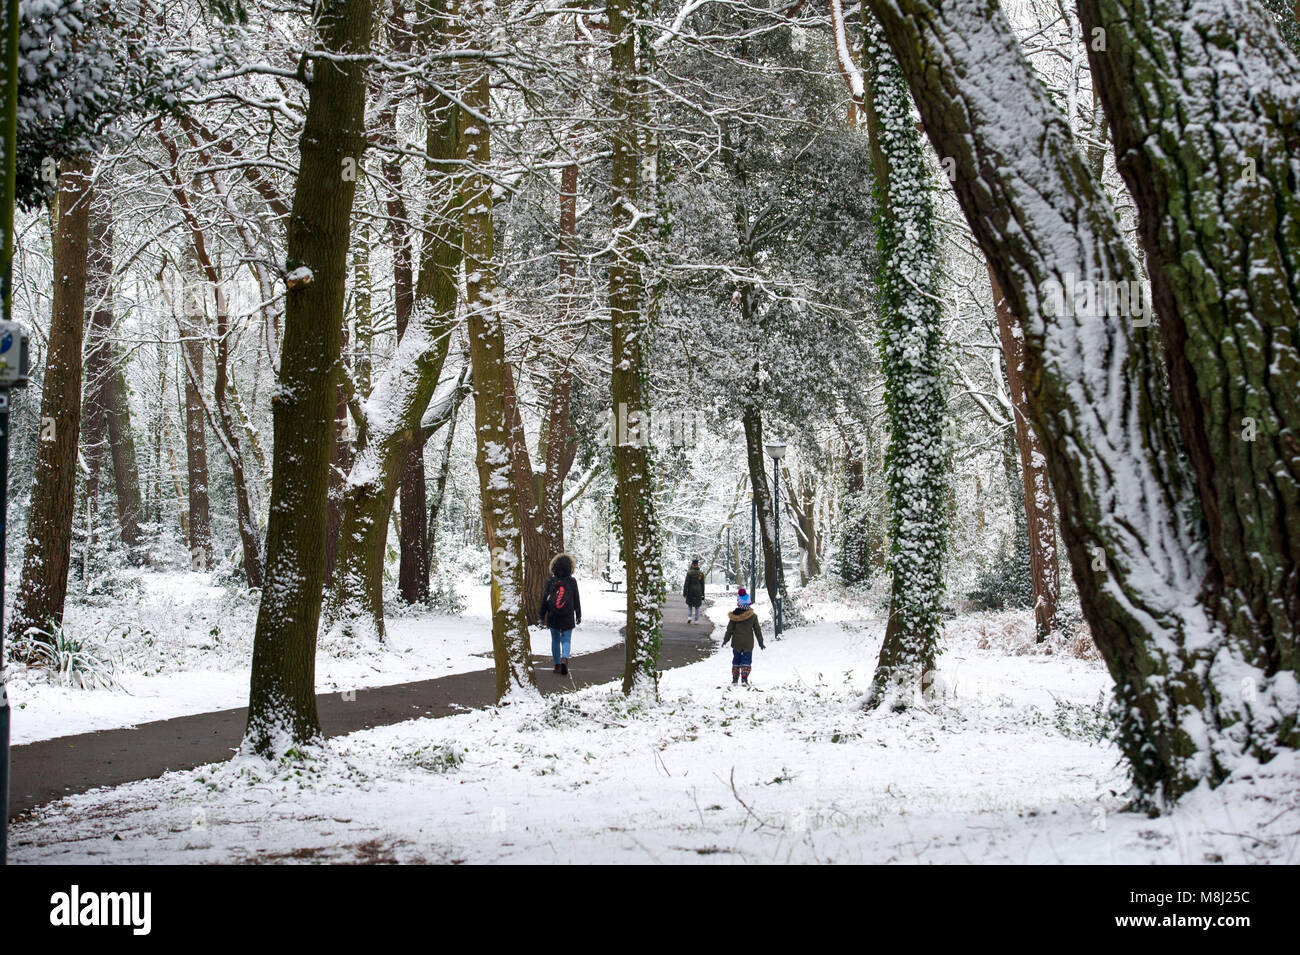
x=564, y=666
x=557, y=668
x=744, y=675
x=735, y=675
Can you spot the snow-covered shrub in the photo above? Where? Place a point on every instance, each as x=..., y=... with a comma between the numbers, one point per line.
x=71, y=661
x=435, y=757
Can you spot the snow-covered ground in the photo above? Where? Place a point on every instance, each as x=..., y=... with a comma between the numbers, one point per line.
x=179, y=645
x=1006, y=764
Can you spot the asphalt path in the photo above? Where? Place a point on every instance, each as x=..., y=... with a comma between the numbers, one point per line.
x=51, y=769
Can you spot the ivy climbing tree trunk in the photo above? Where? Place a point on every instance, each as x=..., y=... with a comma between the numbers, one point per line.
x=511, y=647
x=282, y=694
x=633, y=460
x=911, y=355
x=43, y=587
x=1195, y=687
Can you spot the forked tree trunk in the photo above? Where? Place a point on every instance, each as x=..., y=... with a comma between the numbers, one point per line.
x=282, y=692
x=391, y=415
x=43, y=587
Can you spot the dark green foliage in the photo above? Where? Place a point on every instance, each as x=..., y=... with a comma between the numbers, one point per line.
x=1005, y=582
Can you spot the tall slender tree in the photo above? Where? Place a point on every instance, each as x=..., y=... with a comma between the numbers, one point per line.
x=511, y=648
x=633, y=459
x=282, y=692
x=43, y=588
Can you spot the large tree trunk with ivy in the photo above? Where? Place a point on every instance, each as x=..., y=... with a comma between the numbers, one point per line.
x=1179, y=536
x=107, y=405
x=911, y=346
x=511, y=647
x=633, y=463
x=1040, y=528
x=43, y=587
x=282, y=697
x=390, y=417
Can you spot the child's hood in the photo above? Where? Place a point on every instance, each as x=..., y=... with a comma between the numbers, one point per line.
x=743, y=614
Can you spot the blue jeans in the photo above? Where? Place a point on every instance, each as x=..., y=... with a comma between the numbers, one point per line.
x=560, y=644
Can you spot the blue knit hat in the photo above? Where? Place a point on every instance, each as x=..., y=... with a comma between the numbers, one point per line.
x=742, y=597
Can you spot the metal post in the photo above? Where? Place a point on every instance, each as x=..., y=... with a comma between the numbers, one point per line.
x=4, y=691
x=776, y=539
x=753, y=555
x=730, y=571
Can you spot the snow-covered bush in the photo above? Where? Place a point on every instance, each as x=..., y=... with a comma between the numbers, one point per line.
x=71, y=661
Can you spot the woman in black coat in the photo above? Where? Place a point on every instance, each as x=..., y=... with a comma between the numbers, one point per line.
x=561, y=609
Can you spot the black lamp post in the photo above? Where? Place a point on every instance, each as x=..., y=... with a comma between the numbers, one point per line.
x=13, y=354
x=753, y=553
x=776, y=451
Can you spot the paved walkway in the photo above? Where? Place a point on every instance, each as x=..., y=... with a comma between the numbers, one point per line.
x=51, y=769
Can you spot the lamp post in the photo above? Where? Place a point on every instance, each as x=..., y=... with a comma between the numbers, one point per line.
x=753, y=554
x=13, y=353
x=776, y=451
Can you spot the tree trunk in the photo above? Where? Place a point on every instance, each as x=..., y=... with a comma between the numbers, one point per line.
x=43, y=587
x=196, y=449
x=402, y=394
x=911, y=344
x=444, y=468
x=511, y=648
x=108, y=412
x=528, y=491
x=560, y=446
x=1040, y=528
x=219, y=413
x=413, y=564
x=1188, y=697
x=633, y=462
x=282, y=693
x=756, y=459
x=1219, y=218
x=340, y=465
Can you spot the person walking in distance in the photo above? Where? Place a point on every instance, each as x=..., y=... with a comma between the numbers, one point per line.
x=693, y=591
x=561, y=610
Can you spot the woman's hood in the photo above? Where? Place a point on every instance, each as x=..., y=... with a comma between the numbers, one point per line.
x=744, y=614
x=562, y=565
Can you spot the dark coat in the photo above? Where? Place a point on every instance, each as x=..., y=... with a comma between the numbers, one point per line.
x=569, y=615
x=693, y=589
x=743, y=630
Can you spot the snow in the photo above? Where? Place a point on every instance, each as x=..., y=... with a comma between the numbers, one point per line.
x=182, y=647
x=1004, y=764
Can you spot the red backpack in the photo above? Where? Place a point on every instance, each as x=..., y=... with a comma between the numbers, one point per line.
x=556, y=598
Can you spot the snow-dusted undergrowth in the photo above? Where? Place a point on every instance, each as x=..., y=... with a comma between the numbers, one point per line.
x=1008, y=762
x=177, y=645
